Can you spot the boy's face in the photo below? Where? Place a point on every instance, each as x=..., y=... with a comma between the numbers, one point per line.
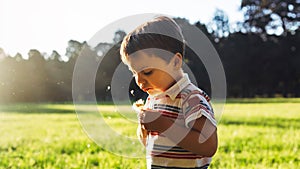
x=152, y=74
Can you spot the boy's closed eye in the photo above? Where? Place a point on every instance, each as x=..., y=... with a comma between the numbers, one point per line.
x=147, y=72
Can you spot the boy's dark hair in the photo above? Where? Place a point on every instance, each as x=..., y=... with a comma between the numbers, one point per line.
x=159, y=33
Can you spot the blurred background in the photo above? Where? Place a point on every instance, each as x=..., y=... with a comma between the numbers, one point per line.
x=257, y=41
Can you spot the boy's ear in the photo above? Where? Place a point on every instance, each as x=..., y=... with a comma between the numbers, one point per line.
x=177, y=61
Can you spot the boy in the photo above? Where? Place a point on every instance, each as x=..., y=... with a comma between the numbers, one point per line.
x=177, y=123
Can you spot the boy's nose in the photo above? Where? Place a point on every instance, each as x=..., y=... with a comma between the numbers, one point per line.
x=140, y=80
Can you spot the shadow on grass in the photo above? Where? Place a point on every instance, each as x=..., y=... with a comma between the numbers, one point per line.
x=34, y=109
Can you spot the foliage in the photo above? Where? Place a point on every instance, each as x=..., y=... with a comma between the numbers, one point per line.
x=257, y=68
x=256, y=64
x=271, y=16
x=219, y=26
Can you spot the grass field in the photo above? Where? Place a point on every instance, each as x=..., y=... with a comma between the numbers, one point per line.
x=252, y=134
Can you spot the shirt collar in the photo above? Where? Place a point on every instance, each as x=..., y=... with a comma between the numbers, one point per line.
x=173, y=91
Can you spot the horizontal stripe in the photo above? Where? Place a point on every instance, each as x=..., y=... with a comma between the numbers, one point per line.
x=175, y=155
x=169, y=148
x=171, y=115
x=163, y=167
x=169, y=112
x=167, y=107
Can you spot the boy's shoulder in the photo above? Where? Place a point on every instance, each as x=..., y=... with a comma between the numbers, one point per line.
x=190, y=90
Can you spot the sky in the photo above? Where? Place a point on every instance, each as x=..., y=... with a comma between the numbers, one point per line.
x=48, y=25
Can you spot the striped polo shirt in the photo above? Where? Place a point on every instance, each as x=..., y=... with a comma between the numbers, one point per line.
x=183, y=103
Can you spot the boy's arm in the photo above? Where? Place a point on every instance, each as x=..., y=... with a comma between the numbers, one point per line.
x=200, y=138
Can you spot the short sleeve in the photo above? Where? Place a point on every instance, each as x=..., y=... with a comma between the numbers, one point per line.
x=196, y=106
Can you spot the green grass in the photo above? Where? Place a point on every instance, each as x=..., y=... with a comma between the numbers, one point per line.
x=259, y=135
x=251, y=135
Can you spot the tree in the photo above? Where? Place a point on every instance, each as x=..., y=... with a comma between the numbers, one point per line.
x=219, y=26
x=119, y=35
x=271, y=16
x=73, y=49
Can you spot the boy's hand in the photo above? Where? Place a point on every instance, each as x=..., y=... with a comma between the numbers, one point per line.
x=142, y=134
x=154, y=121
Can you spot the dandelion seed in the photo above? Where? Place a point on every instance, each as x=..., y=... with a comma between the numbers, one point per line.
x=132, y=92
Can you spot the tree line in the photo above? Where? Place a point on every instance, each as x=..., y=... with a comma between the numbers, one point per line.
x=261, y=58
